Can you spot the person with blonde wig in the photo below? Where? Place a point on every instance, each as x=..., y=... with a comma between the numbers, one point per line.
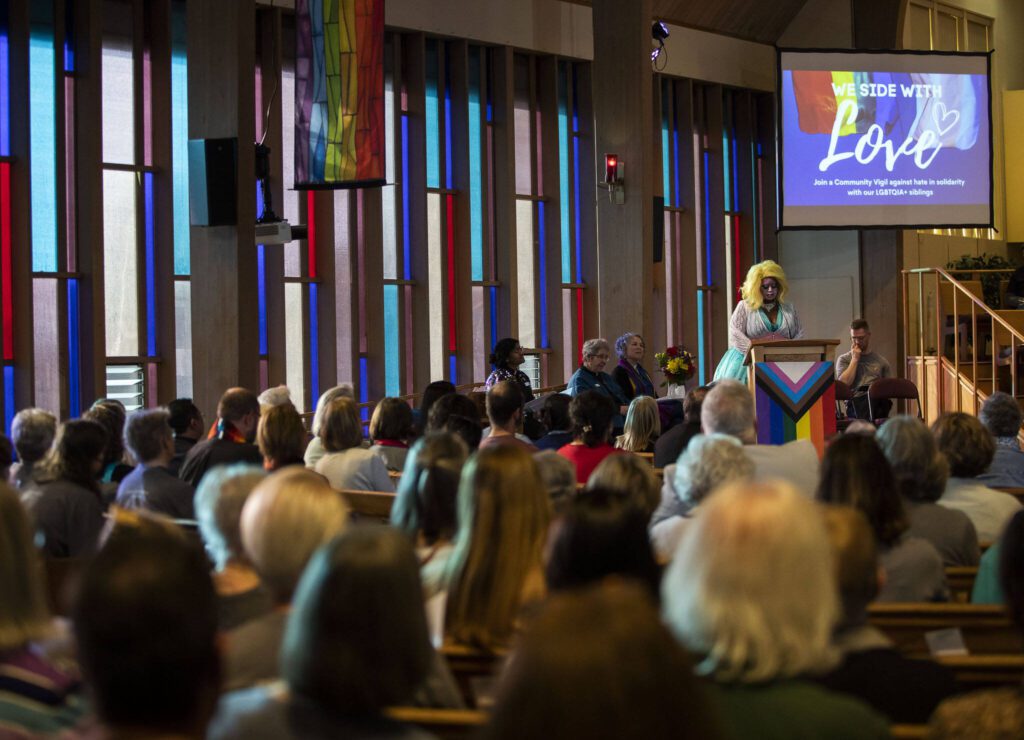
x=752, y=593
x=40, y=697
x=496, y=567
x=762, y=314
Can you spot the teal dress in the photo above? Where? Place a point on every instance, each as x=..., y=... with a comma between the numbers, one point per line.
x=746, y=325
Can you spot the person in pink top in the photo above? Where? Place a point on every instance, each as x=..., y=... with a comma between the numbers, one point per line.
x=592, y=415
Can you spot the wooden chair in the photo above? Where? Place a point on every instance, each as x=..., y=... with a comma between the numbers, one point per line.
x=370, y=504
x=961, y=583
x=447, y=724
x=986, y=630
x=891, y=389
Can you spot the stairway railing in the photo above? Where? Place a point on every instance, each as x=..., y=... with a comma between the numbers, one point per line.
x=936, y=308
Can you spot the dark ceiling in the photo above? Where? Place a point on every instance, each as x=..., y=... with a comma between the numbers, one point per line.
x=755, y=20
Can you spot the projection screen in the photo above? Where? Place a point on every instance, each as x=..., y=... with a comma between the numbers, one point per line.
x=884, y=139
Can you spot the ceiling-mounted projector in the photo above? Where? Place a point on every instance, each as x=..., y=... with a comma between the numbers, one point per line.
x=278, y=232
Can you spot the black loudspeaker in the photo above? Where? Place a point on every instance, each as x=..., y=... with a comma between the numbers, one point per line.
x=659, y=229
x=213, y=182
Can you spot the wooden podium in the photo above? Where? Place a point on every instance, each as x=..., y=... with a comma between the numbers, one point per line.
x=793, y=383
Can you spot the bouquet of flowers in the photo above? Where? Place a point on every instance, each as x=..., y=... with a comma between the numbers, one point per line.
x=677, y=364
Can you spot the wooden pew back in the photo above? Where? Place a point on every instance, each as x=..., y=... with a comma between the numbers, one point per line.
x=986, y=630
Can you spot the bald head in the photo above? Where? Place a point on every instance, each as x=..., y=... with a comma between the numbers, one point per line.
x=240, y=407
x=728, y=408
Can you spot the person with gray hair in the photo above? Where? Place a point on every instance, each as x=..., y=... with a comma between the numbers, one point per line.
x=591, y=376
x=921, y=472
x=32, y=433
x=150, y=440
x=709, y=461
x=752, y=593
x=288, y=516
x=219, y=499
x=728, y=408
x=1001, y=416
x=315, y=449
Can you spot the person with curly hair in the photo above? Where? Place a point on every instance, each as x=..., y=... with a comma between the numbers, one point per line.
x=762, y=314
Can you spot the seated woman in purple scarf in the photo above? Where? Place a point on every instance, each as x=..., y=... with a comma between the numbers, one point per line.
x=634, y=380
x=629, y=373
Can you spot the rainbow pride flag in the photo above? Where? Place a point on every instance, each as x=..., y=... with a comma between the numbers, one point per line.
x=795, y=400
x=339, y=93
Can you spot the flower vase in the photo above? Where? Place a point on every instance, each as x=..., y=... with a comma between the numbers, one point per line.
x=676, y=390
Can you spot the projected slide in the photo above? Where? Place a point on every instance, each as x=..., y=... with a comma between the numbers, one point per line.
x=884, y=139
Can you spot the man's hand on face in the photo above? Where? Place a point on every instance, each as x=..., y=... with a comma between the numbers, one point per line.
x=856, y=350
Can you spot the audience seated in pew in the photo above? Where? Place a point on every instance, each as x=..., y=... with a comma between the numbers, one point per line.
x=904, y=690
x=67, y=512
x=151, y=485
x=347, y=464
x=998, y=558
x=496, y=569
x=355, y=644
x=710, y=461
x=592, y=414
x=425, y=504
x=855, y=473
x=642, y=428
x=969, y=449
x=238, y=413
x=187, y=422
x=751, y=591
x=554, y=414
x=32, y=434
x=601, y=534
x=281, y=437
x=991, y=714
x=241, y=596
x=559, y=477
x=728, y=409
x=921, y=472
x=146, y=630
x=39, y=695
x=434, y=392
x=447, y=406
x=1001, y=415
x=391, y=429
x=630, y=476
x=315, y=448
x=110, y=414
x=598, y=664
x=505, y=414
x=670, y=445
x=285, y=519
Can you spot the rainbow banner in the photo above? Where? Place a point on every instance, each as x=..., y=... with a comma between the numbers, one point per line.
x=795, y=400
x=339, y=93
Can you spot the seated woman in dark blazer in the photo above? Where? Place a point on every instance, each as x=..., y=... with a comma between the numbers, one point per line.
x=632, y=378
x=591, y=377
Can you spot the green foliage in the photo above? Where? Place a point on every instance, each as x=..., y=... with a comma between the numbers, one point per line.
x=989, y=281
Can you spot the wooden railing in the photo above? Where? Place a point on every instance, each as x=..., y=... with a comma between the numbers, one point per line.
x=957, y=348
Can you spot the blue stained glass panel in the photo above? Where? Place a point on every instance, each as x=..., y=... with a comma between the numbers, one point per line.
x=476, y=225
x=314, y=341
x=431, y=112
x=565, y=218
x=43, y=148
x=179, y=140
x=8, y=396
x=392, y=354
